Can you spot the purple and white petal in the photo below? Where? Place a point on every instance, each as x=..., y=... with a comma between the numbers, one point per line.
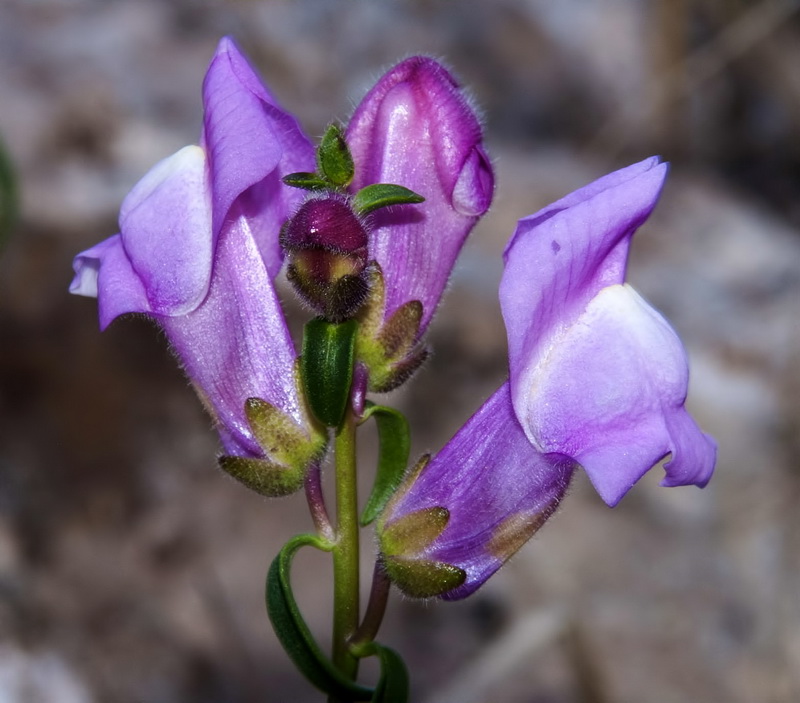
x=236, y=344
x=607, y=392
x=558, y=259
x=596, y=373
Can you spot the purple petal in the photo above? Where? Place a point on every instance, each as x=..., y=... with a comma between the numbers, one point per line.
x=236, y=345
x=252, y=143
x=233, y=343
x=106, y=267
x=161, y=261
x=596, y=373
x=165, y=223
x=559, y=258
x=497, y=488
x=415, y=128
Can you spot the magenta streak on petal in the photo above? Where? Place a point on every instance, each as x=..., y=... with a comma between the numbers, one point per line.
x=416, y=129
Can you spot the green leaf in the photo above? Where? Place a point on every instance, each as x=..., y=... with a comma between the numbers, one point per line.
x=9, y=203
x=393, y=684
x=306, y=181
x=380, y=195
x=293, y=632
x=395, y=446
x=334, y=158
x=326, y=367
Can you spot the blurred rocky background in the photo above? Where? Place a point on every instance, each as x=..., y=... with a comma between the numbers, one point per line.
x=131, y=569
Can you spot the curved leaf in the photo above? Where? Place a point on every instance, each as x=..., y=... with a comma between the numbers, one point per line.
x=380, y=195
x=393, y=684
x=395, y=446
x=293, y=632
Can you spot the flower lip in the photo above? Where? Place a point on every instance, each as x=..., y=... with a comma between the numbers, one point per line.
x=596, y=373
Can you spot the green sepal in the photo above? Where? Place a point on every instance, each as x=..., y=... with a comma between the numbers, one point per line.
x=293, y=633
x=394, y=447
x=388, y=348
x=281, y=438
x=306, y=181
x=414, y=532
x=326, y=367
x=423, y=578
x=379, y=195
x=263, y=476
x=334, y=159
x=392, y=686
x=9, y=198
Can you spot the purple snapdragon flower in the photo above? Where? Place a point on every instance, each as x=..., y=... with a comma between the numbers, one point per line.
x=199, y=244
x=598, y=379
x=197, y=252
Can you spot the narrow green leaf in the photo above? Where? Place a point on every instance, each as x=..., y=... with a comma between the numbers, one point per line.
x=306, y=181
x=395, y=446
x=380, y=195
x=293, y=632
x=393, y=684
x=334, y=158
x=9, y=204
x=326, y=367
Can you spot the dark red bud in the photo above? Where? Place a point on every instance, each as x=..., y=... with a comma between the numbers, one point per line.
x=327, y=244
x=326, y=223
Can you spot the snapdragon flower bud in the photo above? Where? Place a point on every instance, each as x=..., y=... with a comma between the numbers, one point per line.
x=326, y=243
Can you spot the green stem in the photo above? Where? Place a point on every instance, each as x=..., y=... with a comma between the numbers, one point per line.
x=346, y=552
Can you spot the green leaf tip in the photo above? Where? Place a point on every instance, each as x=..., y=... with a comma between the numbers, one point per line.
x=334, y=159
x=306, y=181
x=379, y=195
x=281, y=438
x=414, y=532
x=263, y=476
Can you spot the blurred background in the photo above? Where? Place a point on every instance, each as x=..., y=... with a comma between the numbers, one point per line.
x=131, y=569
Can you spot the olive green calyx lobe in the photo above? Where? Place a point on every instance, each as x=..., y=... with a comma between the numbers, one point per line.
x=423, y=578
x=289, y=451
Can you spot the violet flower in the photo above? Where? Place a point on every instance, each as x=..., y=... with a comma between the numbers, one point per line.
x=198, y=249
x=596, y=373
x=598, y=379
